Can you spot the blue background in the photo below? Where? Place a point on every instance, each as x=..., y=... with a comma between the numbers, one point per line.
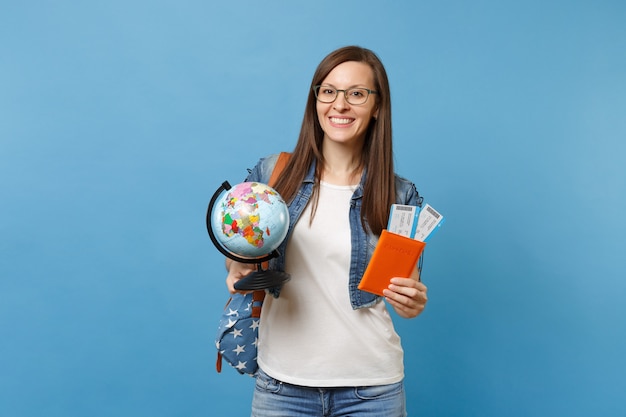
x=118, y=120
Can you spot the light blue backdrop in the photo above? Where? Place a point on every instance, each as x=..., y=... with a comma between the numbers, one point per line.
x=119, y=119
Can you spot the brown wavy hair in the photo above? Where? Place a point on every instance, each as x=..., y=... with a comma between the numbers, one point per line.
x=377, y=152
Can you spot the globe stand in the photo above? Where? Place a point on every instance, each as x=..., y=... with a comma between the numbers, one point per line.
x=256, y=280
x=261, y=279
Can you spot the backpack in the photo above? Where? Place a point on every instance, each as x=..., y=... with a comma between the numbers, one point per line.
x=238, y=330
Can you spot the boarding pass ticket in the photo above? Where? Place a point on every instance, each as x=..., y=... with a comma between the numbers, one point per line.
x=402, y=220
x=412, y=222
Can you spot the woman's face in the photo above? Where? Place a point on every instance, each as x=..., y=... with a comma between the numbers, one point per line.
x=341, y=121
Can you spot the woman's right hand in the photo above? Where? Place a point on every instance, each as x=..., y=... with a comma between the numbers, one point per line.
x=237, y=271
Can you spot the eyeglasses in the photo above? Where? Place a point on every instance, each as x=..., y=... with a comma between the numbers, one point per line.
x=327, y=94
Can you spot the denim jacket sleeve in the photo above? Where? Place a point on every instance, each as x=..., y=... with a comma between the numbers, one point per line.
x=406, y=193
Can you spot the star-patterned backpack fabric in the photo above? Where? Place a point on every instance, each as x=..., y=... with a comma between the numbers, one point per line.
x=238, y=331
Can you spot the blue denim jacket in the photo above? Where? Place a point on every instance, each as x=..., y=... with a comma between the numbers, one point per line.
x=363, y=242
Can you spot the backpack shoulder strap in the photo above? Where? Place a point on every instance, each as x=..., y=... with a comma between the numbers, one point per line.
x=281, y=162
x=283, y=158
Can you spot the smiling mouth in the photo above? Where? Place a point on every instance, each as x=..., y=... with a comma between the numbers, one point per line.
x=341, y=120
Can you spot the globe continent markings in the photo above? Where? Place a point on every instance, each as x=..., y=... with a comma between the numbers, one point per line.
x=241, y=214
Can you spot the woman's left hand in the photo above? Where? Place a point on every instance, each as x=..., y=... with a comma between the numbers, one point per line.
x=407, y=296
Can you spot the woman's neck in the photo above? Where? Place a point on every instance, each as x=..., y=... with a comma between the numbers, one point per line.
x=342, y=167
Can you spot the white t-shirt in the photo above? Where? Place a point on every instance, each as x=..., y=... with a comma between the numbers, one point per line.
x=310, y=335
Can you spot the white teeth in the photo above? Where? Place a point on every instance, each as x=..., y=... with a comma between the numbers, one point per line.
x=340, y=121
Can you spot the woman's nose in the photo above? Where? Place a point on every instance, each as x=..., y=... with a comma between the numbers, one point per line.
x=340, y=102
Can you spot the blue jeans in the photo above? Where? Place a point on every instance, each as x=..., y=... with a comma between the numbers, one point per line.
x=273, y=398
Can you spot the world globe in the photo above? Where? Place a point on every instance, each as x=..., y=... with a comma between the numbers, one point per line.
x=247, y=223
x=250, y=220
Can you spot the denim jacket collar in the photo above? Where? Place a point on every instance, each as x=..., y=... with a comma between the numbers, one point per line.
x=363, y=242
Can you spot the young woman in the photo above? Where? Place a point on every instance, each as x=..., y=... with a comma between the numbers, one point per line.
x=327, y=348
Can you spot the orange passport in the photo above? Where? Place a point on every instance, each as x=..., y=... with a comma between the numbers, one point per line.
x=394, y=256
